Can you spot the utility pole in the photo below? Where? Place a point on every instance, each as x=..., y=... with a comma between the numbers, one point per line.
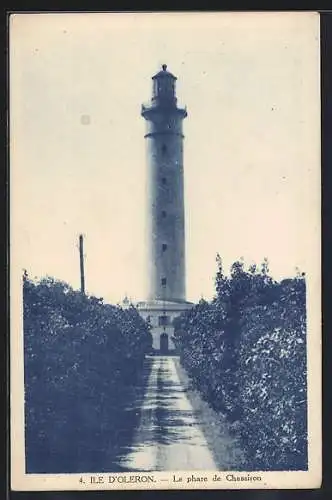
x=82, y=264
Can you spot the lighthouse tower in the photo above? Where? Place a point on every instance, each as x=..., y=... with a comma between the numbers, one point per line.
x=166, y=270
x=165, y=210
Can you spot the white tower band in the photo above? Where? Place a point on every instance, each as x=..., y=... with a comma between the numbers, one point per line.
x=165, y=211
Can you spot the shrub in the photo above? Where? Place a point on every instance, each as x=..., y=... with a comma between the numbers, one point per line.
x=82, y=360
x=246, y=352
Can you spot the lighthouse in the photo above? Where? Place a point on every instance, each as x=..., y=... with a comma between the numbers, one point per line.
x=165, y=214
x=165, y=192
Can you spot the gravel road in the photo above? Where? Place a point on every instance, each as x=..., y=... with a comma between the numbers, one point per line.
x=169, y=436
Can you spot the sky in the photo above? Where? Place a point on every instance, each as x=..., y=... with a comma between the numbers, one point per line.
x=250, y=82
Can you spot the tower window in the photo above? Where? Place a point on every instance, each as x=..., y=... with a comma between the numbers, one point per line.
x=164, y=247
x=163, y=214
x=164, y=180
x=164, y=149
x=163, y=281
x=163, y=320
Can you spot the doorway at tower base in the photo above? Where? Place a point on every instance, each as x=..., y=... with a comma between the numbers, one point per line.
x=160, y=316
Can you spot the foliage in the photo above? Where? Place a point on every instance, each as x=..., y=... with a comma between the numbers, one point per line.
x=246, y=353
x=82, y=358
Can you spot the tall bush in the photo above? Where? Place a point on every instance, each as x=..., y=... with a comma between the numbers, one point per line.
x=246, y=353
x=82, y=361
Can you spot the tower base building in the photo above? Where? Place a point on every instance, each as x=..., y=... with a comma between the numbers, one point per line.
x=160, y=316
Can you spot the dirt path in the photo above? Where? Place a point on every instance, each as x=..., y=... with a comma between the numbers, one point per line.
x=169, y=436
x=225, y=447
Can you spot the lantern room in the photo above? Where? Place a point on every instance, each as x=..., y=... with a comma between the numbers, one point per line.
x=163, y=90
